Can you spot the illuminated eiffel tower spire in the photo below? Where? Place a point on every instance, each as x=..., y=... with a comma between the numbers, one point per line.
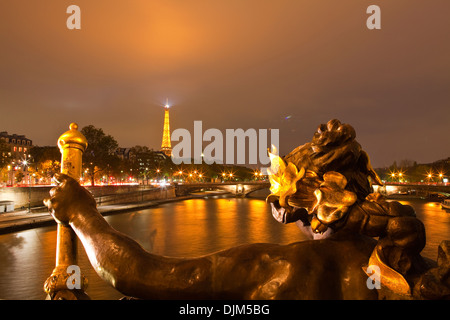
x=166, y=146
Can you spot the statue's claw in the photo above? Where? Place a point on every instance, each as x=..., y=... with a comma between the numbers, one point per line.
x=388, y=277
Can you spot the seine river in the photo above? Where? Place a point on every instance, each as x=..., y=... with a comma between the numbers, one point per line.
x=186, y=228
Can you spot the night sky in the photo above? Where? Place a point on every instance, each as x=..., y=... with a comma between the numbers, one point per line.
x=286, y=64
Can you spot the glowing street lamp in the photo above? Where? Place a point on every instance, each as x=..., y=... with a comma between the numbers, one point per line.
x=257, y=174
x=429, y=175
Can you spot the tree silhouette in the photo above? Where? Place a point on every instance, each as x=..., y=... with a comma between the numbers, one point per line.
x=100, y=153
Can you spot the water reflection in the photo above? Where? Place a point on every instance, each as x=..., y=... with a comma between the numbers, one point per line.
x=7, y=250
x=436, y=221
x=24, y=263
x=182, y=229
x=197, y=226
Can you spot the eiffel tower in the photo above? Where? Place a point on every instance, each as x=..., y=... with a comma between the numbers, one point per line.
x=166, y=146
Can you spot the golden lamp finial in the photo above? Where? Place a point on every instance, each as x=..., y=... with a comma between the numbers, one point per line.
x=72, y=144
x=72, y=139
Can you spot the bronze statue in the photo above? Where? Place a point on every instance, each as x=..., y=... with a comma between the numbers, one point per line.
x=332, y=192
x=325, y=188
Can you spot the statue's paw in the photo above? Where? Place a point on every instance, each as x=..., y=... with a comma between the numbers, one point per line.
x=67, y=199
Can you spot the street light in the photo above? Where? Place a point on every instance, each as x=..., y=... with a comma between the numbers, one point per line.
x=258, y=175
x=10, y=180
x=25, y=164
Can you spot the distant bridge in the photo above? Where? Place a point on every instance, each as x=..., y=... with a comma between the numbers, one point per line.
x=419, y=189
x=245, y=188
x=235, y=188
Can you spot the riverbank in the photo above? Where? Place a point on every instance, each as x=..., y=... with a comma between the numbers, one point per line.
x=408, y=197
x=38, y=217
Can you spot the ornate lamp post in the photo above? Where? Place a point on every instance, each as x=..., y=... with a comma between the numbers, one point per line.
x=72, y=144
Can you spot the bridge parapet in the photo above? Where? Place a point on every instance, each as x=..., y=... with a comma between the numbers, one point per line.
x=412, y=188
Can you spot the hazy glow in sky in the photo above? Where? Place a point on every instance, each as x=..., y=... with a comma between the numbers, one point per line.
x=289, y=64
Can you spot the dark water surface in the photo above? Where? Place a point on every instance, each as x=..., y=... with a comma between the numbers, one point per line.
x=181, y=229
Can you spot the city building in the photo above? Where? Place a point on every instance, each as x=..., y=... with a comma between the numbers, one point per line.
x=142, y=156
x=15, y=158
x=19, y=146
x=148, y=159
x=123, y=153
